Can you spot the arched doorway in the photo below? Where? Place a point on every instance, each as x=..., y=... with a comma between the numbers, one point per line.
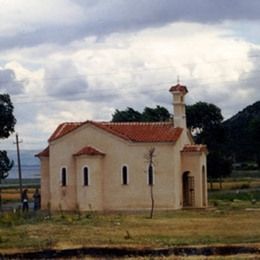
x=188, y=189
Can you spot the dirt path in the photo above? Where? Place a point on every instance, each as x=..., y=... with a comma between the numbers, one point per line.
x=115, y=252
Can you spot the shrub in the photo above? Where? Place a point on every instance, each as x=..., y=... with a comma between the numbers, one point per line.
x=245, y=186
x=11, y=218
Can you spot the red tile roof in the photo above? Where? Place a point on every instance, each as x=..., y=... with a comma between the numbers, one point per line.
x=131, y=131
x=43, y=153
x=180, y=88
x=194, y=148
x=63, y=129
x=88, y=150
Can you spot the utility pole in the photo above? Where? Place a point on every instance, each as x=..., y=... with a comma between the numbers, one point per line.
x=17, y=142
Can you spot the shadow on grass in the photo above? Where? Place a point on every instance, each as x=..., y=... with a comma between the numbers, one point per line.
x=112, y=252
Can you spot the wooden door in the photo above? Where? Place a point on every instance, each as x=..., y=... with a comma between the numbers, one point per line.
x=188, y=190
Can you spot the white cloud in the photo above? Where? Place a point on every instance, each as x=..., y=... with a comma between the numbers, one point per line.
x=21, y=17
x=89, y=78
x=55, y=114
x=30, y=23
x=149, y=61
x=9, y=83
x=62, y=80
x=32, y=79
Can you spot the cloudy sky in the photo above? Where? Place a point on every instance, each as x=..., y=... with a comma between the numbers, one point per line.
x=74, y=60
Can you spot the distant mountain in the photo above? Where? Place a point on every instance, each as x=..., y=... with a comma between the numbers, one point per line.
x=30, y=165
x=26, y=156
x=241, y=144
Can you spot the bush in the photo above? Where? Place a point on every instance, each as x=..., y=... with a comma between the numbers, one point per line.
x=245, y=186
x=232, y=196
x=14, y=218
x=246, y=167
x=11, y=219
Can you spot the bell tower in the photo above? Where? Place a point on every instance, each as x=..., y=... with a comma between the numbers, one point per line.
x=178, y=94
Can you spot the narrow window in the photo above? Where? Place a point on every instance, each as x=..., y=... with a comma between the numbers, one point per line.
x=124, y=175
x=63, y=176
x=85, y=176
x=150, y=175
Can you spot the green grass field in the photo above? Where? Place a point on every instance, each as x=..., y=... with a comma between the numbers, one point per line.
x=233, y=217
x=232, y=222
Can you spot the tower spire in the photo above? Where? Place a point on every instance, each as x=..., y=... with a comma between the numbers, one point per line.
x=178, y=79
x=178, y=94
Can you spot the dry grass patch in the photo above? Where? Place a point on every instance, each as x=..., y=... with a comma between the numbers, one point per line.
x=14, y=194
x=233, y=184
x=166, y=229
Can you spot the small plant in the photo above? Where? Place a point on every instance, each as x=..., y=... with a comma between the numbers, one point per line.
x=1, y=240
x=61, y=211
x=78, y=213
x=49, y=209
x=11, y=218
x=49, y=243
x=245, y=186
x=215, y=203
x=88, y=216
x=127, y=236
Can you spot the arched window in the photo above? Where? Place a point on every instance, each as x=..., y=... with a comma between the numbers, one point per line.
x=150, y=175
x=86, y=179
x=124, y=175
x=63, y=176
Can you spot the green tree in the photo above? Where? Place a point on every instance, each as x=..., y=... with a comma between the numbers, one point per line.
x=5, y=166
x=7, y=123
x=218, y=166
x=127, y=115
x=8, y=120
x=202, y=117
x=157, y=114
x=254, y=130
x=205, y=121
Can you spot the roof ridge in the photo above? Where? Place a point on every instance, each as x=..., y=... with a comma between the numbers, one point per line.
x=58, y=131
x=195, y=148
x=135, y=123
x=131, y=131
x=43, y=153
x=90, y=150
x=71, y=123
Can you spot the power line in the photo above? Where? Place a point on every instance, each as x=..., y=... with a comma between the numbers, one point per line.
x=136, y=71
x=17, y=142
x=21, y=96
x=92, y=94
